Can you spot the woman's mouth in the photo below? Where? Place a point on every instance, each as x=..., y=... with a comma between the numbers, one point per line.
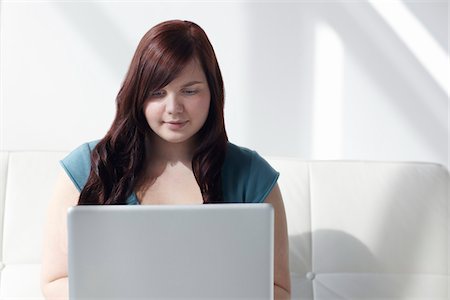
x=175, y=124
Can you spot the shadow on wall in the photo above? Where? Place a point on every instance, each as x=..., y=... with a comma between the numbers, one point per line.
x=366, y=37
x=101, y=33
x=408, y=85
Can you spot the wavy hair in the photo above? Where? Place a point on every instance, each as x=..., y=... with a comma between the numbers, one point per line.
x=117, y=160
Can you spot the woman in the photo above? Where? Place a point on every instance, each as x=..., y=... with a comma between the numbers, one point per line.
x=169, y=128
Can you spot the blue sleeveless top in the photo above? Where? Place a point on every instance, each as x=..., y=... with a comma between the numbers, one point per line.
x=246, y=176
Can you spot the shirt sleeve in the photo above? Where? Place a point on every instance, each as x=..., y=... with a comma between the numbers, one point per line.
x=77, y=164
x=261, y=180
x=246, y=176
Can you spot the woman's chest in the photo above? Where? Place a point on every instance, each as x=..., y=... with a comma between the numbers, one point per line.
x=171, y=187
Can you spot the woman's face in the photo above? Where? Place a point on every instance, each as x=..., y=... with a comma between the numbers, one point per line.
x=176, y=112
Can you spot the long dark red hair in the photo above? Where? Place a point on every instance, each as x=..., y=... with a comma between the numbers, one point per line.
x=117, y=160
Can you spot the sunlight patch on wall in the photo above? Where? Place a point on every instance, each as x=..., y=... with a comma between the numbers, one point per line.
x=327, y=103
x=417, y=38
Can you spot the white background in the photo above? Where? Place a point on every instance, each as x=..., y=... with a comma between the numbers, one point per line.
x=313, y=80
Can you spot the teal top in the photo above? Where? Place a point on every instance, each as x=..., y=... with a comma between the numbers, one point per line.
x=246, y=176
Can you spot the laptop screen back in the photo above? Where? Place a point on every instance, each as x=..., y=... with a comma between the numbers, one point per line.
x=171, y=251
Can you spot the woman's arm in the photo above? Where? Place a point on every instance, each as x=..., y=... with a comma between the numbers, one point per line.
x=57, y=289
x=281, y=294
x=282, y=281
x=54, y=283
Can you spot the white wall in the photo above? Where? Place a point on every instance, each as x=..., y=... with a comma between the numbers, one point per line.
x=330, y=80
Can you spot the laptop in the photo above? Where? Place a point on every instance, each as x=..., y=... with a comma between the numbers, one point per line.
x=213, y=251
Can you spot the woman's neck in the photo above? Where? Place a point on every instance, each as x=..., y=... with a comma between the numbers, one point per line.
x=161, y=151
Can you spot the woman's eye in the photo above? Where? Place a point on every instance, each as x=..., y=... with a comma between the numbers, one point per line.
x=190, y=92
x=157, y=93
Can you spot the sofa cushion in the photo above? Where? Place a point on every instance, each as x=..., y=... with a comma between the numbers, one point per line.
x=366, y=230
x=3, y=176
x=29, y=186
x=21, y=282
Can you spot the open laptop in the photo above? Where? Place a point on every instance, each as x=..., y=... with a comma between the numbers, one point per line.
x=215, y=251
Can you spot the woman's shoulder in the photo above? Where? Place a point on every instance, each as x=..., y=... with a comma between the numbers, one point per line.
x=85, y=147
x=77, y=163
x=80, y=153
x=245, y=173
x=243, y=158
x=237, y=155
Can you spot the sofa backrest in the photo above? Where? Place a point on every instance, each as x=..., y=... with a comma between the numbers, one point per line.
x=357, y=229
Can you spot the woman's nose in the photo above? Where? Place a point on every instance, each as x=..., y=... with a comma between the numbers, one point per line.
x=173, y=104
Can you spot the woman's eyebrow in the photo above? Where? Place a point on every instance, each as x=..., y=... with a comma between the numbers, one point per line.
x=191, y=83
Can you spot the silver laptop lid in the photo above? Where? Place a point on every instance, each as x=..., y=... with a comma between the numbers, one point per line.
x=219, y=251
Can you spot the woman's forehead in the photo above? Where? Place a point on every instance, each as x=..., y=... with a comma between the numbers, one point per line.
x=191, y=74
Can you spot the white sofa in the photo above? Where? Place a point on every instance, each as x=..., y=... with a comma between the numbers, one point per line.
x=358, y=230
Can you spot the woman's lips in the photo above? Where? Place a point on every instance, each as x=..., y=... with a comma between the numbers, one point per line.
x=175, y=124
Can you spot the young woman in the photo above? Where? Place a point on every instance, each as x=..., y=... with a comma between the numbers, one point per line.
x=168, y=130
